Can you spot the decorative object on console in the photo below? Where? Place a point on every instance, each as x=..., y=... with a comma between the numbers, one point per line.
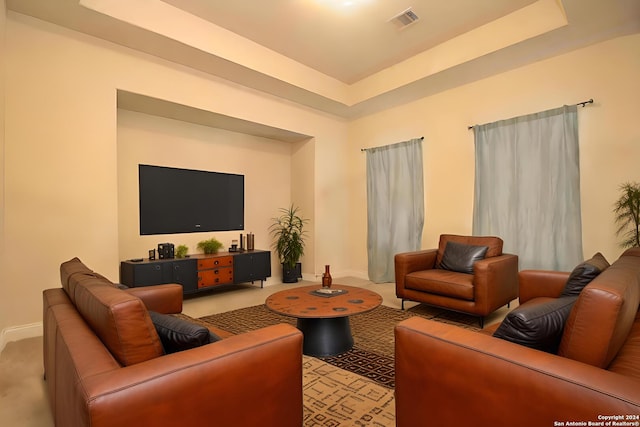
x=152, y=254
x=182, y=251
x=326, y=277
x=627, y=211
x=250, y=241
x=166, y=250
x=289, y=234
x=210, y=246
x=234, y=246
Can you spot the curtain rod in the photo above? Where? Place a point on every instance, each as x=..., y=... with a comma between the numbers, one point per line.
x=582, y=104
x=371, y=148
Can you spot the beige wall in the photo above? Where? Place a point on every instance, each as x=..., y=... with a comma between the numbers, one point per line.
x=3, y=55
x=3, y=22
x=608, y=130
x=145, y=139
x=62, y=156
x=67, y=147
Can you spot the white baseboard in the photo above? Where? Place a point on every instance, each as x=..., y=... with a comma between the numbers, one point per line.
x=17, y=333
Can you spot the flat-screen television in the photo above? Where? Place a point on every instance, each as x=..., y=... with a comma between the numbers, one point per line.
x=176, y=200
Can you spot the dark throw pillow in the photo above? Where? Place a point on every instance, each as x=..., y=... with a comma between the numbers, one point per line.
x=460, y=257
x=584, y=273
x=538, y=323
x=178, y=334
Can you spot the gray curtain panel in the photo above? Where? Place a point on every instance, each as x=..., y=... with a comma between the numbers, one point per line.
x=527, y=187
x=395, y=205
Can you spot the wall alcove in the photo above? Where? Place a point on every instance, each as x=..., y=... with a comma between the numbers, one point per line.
x=276, y=164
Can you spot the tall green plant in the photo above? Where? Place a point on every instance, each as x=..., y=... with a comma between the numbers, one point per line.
x=289, y=234
x=627, y=211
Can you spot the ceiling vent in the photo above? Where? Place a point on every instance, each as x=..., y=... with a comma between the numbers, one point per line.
x=404, y=19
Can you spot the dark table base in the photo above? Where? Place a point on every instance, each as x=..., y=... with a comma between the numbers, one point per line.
x=325, y=336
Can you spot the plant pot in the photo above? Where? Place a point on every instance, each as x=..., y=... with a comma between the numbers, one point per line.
x=291, y=275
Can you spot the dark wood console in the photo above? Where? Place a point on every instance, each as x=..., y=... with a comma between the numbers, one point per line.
x=199, y=272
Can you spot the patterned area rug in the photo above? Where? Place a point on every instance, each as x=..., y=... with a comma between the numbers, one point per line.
x=373, y=350
x=354, y=388
x=335, y=397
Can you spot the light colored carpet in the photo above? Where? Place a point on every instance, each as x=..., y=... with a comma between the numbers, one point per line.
x=23, y=401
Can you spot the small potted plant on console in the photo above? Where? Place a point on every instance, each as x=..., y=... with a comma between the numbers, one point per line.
x=210, y=246
x=289, y=234
x=182, y=251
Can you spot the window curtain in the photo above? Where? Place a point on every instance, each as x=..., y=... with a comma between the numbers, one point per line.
x=527, y=187
x=395, y=205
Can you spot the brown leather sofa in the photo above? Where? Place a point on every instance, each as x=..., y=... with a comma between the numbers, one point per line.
x=447, y=375
x=105, y=365
x=493, y=283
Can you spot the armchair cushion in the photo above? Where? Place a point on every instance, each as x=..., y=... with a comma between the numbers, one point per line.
x=178, y=334
x=538, y=324
x=584, y=273
x=492, y=242
x=460, y=257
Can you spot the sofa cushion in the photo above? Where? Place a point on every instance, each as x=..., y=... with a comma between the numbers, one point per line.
x=460, y=257
x=538, y=323
x=120, y=320
x=584, y=273
x=177, y=334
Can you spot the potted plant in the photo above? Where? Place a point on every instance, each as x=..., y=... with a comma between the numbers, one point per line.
x=182, y=251
x=210, y=246
x=627, y=211
x=289, y=234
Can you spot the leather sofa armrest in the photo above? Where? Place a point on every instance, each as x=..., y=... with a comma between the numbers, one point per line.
x=408, y=262
x=166, y=299
x=208, y=385
x=541, y=283
x=495, y=281
x=452, y=375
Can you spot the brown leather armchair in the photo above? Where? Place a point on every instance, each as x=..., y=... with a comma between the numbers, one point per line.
x=490, y=283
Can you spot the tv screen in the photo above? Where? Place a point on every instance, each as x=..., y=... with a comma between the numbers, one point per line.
x=176, y=200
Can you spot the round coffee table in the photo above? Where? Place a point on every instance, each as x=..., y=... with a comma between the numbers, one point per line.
x=323, y=318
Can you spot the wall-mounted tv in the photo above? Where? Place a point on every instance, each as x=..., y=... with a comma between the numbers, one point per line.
x=176, y=200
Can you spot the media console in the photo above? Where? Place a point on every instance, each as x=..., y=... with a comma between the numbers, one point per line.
x=199, y=272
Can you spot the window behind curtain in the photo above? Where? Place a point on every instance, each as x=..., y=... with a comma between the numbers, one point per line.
x=395, y=205
x=527, y=187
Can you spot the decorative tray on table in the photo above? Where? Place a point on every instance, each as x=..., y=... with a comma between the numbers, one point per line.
x=328, y=292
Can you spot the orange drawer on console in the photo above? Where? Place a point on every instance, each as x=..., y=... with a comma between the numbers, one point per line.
x=213, y=262
x=216, y=276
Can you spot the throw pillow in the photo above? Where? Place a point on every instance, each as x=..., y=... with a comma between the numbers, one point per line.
x=460, y=257
x=538, y=323
x=584, y=273
x=178, y=334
